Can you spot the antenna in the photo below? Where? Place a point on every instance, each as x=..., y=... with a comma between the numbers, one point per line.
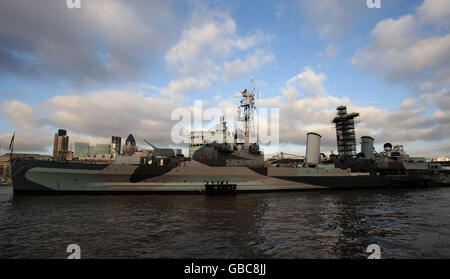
x=257, y=120
x=151, y=144
x=253, y=89
x=11, y=146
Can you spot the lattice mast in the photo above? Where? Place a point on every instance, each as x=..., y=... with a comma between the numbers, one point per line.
x=246, y=109
x=345, y=132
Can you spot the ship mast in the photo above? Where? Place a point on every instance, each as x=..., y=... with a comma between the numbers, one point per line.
x=247, y=104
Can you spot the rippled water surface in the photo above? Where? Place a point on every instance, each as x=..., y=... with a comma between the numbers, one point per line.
x=321, y=224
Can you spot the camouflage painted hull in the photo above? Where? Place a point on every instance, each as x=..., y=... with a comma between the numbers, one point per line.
x=50, y=177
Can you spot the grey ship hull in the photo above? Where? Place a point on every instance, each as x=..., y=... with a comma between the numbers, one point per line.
x=52, y=177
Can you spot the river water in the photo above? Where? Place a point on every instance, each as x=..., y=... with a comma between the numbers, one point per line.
x=317, y=224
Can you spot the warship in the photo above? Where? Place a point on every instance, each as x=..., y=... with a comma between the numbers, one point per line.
x=219, y=167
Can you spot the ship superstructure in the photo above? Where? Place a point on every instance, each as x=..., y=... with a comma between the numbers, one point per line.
x=345, y=132
x=214, y=148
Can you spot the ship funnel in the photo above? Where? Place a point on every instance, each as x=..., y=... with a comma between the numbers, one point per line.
x=313, y=148
x=387, y=146
x=367, y=147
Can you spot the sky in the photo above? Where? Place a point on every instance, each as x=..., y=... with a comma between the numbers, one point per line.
x=114, y=67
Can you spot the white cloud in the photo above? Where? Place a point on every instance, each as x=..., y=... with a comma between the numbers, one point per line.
x=107, y=113
x=252, y=62
x=310, y=81
x=208, y=50
x=23, y=115
x=399, y=52
x=106, y=40
x=435, y=11
x=442, y=116
x=177, y=87
x=28, y=141
x=211, y=36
